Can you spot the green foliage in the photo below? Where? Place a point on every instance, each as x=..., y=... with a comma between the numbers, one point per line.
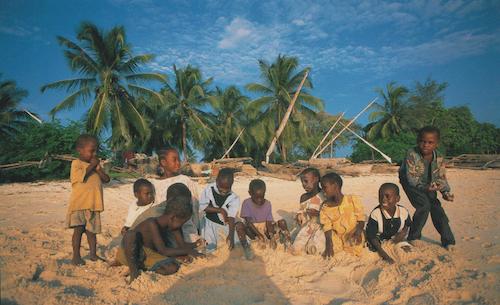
x=109, y=77
x=11, y=118
x=395, y=147
x=34, y=143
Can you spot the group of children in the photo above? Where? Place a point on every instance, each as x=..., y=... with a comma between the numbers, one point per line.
x=169, y=224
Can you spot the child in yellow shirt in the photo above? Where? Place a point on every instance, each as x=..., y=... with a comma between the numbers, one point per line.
x=342, y=218
x=86, y=200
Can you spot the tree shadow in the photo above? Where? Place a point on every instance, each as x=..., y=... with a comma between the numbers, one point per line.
x=235, y=281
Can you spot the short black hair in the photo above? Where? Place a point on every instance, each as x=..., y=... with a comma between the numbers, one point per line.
x=179, y=206
x=256, y=185
x=312, y=170
x=83, y=139
x=226, y=173
x=428, y=129
x=332, y=178
x=163, y=152
x=178, y=189
x=389, y=185
x=142, y=182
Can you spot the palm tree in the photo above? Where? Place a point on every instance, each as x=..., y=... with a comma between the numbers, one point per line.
x=279, y=81
x=108, y=75
x=391, y=117
x=185, y=100
x=229, y=119
x=11, y=118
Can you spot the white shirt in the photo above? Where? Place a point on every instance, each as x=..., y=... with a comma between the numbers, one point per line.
x=134, y=211
x=231, y=205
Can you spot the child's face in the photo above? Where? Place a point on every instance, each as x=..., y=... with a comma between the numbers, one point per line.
x=87, y=151
x=145, y=195
x=331, y=190
x=171, y=162
x=428, y=143
x=388, y=198
x=309, y=182
x=224, y=186
x=258, y=196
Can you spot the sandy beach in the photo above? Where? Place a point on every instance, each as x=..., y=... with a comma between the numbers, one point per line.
x=35, y=252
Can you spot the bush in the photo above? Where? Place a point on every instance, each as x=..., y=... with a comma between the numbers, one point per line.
x=33, y=143
x=395, y=147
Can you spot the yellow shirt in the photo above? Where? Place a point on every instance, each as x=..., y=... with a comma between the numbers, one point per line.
x=342, y=219
x=85, y=195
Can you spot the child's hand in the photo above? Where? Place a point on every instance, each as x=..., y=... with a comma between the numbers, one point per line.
x=224, y=216
x=448, y=196
x=94, y=161
x=312, y=212
x=299, y=218
x=124, y=230
x=388, y=259
x=194, y=253
x=399, y=237
x=434, y=187
x=328, y=252
x=357, y=236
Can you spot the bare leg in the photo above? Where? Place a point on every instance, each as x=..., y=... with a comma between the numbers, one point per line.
x=132, y=246
x=91, y=238
x=76, y=243
x=242, y=236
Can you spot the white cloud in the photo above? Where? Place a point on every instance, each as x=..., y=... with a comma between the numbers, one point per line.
x=299, y=22
x=238, y=31
x=17, y=30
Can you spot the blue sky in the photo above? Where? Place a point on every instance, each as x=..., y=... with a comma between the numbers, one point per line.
x=353, y=47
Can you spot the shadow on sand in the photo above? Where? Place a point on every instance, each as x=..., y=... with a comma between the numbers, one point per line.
x=235, y=281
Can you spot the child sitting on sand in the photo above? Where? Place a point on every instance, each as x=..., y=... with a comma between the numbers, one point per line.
x=388, y=221
x=310, y=239
x=422, y=174
x=258, y=216
x=170, y=165
x=220, y=206
x=145, y=193
x=86, y=200
x=341, y=217
x=144, y=247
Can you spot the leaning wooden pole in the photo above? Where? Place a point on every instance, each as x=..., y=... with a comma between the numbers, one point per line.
x=285, y=119
x=343, y=129
x=232, y=145
x=328, y=132
x=369, y=144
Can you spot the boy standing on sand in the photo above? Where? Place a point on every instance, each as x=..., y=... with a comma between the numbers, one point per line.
x=86, y=200
x=171, y=166
x=422, y=174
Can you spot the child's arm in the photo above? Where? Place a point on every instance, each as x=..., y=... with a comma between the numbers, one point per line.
x=357, y=233
x=212, y=209
x=328, y=244
x=252, y=227
x=159, y=243
x=94, y=162
x=378, y=246
x=124, y=230
x=401, y=235
x=104, y=177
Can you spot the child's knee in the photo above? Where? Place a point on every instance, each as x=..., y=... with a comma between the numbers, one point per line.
x=239, y=226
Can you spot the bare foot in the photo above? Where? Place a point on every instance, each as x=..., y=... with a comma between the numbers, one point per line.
x=96, y=258
x=134, y=273
x=78, y=261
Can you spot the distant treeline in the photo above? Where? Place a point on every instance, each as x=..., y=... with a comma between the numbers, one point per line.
x=194, y=116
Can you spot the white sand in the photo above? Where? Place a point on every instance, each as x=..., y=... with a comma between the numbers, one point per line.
x=35, y=251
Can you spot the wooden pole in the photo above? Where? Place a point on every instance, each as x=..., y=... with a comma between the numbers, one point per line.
x=369, y=144
x=328, y=133
x=34, y=117
x=285, y=119
x=343, y=129
x=234, y=143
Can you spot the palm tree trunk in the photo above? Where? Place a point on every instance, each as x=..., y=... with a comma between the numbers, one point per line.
x=184, y=141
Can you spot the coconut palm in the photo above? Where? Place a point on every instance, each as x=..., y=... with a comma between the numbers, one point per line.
x=391, y=117
x=279, y=82
x=229, y=119
x=108, y=75
x=185, y=100
x=11, y=118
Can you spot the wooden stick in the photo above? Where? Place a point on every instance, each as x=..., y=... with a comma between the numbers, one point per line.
x=234, y=143
x=343, y=129
x=285, y=119
x=328, y=133
x=33, y=116
x=369, y=144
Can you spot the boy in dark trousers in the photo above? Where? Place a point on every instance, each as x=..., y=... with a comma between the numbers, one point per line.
x=422, y=174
